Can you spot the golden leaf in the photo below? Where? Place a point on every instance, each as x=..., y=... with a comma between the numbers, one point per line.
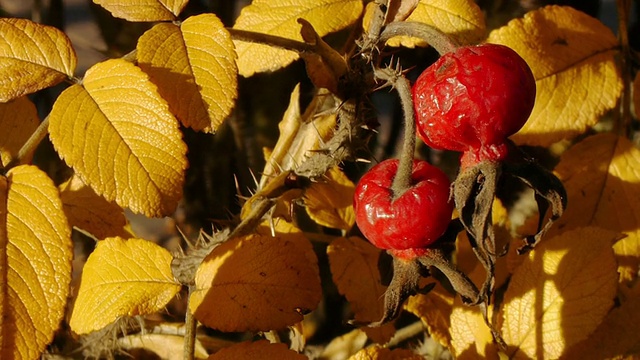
x=463, y=20
x=90, y=212
x=281, y=19
x=330, y=202
x=122, y=278
x=434, y=309
x=570, y=54
x=32, y=57
x=256, y=283
x=343, y=346
x=617, y=335
x=18, y=120
x=560, y=294
x=163, y=345
x=470, y=336
x=260, y=349
x=354, y=268
x=378, y=352
x=35, y=262
x=194, y=68
x=602, y=177
x=144, y=10
x=117, y=133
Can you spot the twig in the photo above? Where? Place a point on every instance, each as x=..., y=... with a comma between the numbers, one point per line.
x=406, y=333
x=32, y=143
x=436, y=38
x=277, y=41
x=190, y=333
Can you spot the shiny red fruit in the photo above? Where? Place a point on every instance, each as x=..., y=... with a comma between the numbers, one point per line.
x=416, y=219
x=472, y=99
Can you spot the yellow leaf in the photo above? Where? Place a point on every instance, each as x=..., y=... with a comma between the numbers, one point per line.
x=281, y=19
x=434, y=309
x=117, y=133
x=560, y=294
x=144, y=10
x=32, y=57
x=256, y=283
x=260, y=349
x=330, y=202
x=602, y=177
x=341, y=347
x=194, y=68
x=616, y=336
x=35, y=262
x=18, y=120
x=90, y=212
x=470, y=336
x=636, y=95
x=354, y=268
x=463, y=20
x=570, y=54
x=378, y=352
x=162, y=345
x=122, y=278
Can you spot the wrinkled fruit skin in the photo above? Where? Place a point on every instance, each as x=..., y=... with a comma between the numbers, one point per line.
x=472, y=99
x=414, y=220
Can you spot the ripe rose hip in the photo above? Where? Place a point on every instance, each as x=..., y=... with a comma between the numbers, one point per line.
x=472, y=99
x=416, y=219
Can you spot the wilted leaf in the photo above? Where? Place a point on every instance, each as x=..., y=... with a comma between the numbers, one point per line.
x=354, y=269
x=325, y=66
x=463, y=20
x=616, y=336
x=194, y=68
x=117, y=133
x=330, y=202
x=18, y=120
x=570, y=54
x=470, y=336
x=35, y=262
x=377, y=352
x=144, y=10
x=602, y=177
x=281, y=19
x=434, y=309
x=256, y=283
x=90, y=212
x=32, y=57
x=122, y=278
x=261, y=349
x=163, y=345
x=560, y=294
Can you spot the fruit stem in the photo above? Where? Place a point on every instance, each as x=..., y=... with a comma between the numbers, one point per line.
x=402, y=180
x=436, y=38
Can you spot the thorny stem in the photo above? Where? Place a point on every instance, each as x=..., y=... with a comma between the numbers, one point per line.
x=32, y=143
x=190, y=333
x=402, y=180
x=624, y=8
x=436, y=38
x=272, y=40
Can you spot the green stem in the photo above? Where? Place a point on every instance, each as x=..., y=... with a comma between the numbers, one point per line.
x=436, y=38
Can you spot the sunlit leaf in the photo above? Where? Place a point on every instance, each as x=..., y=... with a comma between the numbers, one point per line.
x=122, y=278
x=470, y=336
x=617, y=335
x=194, y=67
x=18, y=120
x=602, y=177
x=281, y=19
x=90, y=212
x=117, y=133
x=256, y=283
x=163, y=345
x=560, y=294
x=341, y=347
x=35, y=262
x=144, y=10
x=261, y=349
x=463, y=20
x=570, y=54
x=354, y=268
x=378, y=352
x=32, y=57
x=330, y=202
x=434, y=309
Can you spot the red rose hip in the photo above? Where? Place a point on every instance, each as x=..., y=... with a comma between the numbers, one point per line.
x=472, y=99
x=414, y=219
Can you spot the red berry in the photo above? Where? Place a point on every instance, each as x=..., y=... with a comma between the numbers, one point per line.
x=415, y=219
x=472, y=99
